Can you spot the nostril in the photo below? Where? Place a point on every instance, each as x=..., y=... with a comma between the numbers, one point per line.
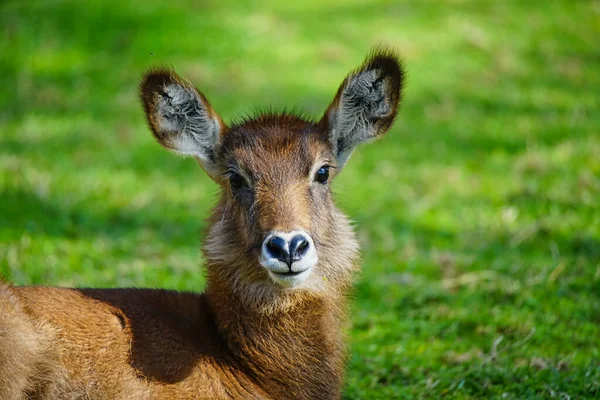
x=298, y=247
x=278, y=248
x=303, y=246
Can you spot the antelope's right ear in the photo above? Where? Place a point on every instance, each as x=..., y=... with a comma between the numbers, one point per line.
x=181, y=118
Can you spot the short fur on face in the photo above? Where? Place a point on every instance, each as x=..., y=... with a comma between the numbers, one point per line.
x=274, y=158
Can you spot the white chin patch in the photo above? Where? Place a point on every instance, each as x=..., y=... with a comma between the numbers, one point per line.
x=290, y=281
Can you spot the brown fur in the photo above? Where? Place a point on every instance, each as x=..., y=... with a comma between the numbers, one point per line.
x=245, y=337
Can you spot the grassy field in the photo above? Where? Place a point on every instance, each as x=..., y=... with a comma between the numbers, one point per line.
x=478, y=214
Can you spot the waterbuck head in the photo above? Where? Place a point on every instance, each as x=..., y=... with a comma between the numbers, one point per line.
x=276, y=228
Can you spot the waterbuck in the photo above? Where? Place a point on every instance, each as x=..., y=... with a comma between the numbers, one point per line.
x=279, y=255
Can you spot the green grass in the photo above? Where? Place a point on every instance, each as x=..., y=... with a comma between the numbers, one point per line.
x=478, y=214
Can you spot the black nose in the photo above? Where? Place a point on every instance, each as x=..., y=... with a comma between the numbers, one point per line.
x=280, y=249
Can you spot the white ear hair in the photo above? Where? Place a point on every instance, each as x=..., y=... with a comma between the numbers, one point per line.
x=365, y=105
x=181, y=110
x=181, y=118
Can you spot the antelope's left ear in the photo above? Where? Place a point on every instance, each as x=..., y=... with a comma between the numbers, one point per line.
x=365, y=105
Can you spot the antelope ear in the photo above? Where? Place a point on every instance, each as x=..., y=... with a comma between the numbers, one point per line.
x=365, y=105
x=181, y=118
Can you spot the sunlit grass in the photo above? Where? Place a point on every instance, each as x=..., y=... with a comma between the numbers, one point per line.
x=478, y=214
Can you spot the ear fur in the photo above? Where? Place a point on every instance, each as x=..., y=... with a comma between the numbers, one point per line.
x=365, y=105
x=180, y=117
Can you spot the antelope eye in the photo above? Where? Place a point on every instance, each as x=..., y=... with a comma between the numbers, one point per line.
x=236, y=180
x=322, y=174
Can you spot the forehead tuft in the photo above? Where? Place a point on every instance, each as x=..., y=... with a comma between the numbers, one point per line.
x=273, y=119
x=276, y=135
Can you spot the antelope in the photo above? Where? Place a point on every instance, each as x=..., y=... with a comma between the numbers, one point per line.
x=279, y=256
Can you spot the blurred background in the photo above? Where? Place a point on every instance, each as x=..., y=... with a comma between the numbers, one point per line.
x=478, y=214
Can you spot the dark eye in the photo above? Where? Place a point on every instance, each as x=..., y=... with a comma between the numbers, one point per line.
x=236, y=180
x=322, y=174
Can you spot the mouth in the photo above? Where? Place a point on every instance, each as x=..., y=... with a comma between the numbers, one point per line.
x=289, y=273
x=290, y=279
